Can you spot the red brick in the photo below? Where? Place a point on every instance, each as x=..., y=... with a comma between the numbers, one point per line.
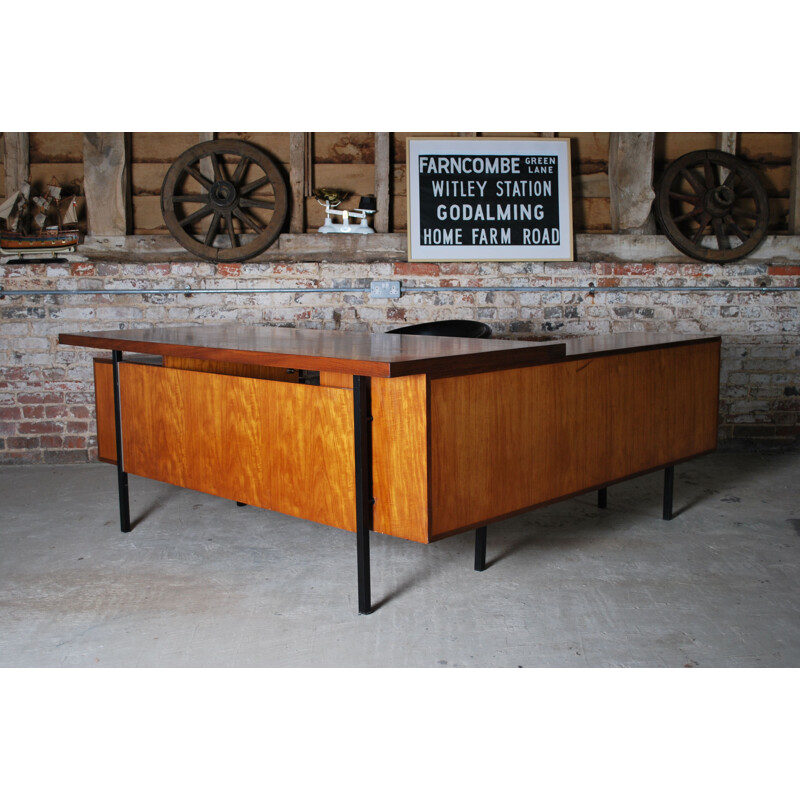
x=396, y=314
x=404, y=268
x=82, y=270
x=33, y=398
x=775, y=269
x=10, y=412
x=77, y=427
x=15, y=373
x=459, y=269
x=73, y=442
x=39, y=427
x=229, y=270
x=634, y=269
x=56, y=412
x=159, y=269
x=22, y=442
x=52, y=442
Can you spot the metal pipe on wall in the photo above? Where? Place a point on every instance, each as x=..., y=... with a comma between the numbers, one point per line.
x=590, y=290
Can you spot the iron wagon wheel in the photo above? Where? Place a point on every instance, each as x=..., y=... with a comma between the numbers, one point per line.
x=224, y=200
x=712, y=193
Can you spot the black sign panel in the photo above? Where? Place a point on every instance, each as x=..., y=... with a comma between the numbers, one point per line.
x=489, y=199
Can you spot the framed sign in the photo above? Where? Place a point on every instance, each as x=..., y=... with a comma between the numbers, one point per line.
x=489, y=199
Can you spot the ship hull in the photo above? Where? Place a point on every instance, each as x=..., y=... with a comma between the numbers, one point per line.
x=9, y=240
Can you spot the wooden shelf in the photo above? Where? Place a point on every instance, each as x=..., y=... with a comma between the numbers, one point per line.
x=297, y=247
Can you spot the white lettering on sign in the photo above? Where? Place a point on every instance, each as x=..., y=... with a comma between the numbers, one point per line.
x=487, y=212
x=490, y=236
x=441, y=236
x=524, y=188
x=458, y=188
x=540, y=236
x=457, y=165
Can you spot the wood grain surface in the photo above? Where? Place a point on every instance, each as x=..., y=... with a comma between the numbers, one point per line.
x=104, y=404
x=509, y=441
x=400, y=457
x=281, y=446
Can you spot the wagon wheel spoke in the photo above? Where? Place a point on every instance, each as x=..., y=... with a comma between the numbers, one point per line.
x=695, y=183
x=708, y=172
x=247, y=203
x=735, y=228
x=218, y=176
x=730, y=178
x=241, y=167
x=719, y=232
x=199, y=177
x=705, y=219
x=251, y=187
x=685, y=198
x=190, y=198
x=203, y=212
x=693, y=213
x=743, y=212
x=231, y=232
x=212, y=229
x=248, y=221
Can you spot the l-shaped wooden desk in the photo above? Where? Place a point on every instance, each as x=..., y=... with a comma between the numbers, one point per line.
x=412, y=436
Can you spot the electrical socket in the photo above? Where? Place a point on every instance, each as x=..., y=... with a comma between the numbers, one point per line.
x=384, y=289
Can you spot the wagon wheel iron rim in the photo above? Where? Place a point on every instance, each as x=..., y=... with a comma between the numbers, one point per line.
x=227, y=188
x=712, y=193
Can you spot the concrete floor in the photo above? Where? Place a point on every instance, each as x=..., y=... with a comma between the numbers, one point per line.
x=202, y=582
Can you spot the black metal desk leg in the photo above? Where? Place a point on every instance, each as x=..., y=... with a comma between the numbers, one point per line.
x=480, y=549
x=602, y=498
x=363, y=450
x=669, y=478
x=122, y=476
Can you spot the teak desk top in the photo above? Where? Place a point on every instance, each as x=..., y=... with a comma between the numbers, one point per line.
x=373, y=355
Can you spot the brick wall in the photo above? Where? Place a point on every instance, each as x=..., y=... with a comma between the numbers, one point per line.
x=46, y=394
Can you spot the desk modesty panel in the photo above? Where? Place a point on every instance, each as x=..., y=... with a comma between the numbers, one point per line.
x=456, y=443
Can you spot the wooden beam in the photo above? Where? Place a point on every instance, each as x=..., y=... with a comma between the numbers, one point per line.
x=206, y=167
x=299, y=169
x=794, y=188
x=17, y=160
x=630, y=179
x=727, y=142
x=382, y=181
x=106, y=183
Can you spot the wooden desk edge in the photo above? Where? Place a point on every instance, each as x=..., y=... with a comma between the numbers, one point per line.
x=438, y=366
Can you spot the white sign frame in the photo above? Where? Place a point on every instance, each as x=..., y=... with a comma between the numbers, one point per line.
x=521, y=160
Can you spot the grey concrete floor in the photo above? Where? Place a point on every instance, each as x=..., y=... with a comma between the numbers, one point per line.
x=202, y=582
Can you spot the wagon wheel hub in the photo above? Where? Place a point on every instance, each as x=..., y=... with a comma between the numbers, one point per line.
x=719, y=200
x=223, y=195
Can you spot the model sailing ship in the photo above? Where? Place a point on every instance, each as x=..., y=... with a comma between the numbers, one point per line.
x=44, y=224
